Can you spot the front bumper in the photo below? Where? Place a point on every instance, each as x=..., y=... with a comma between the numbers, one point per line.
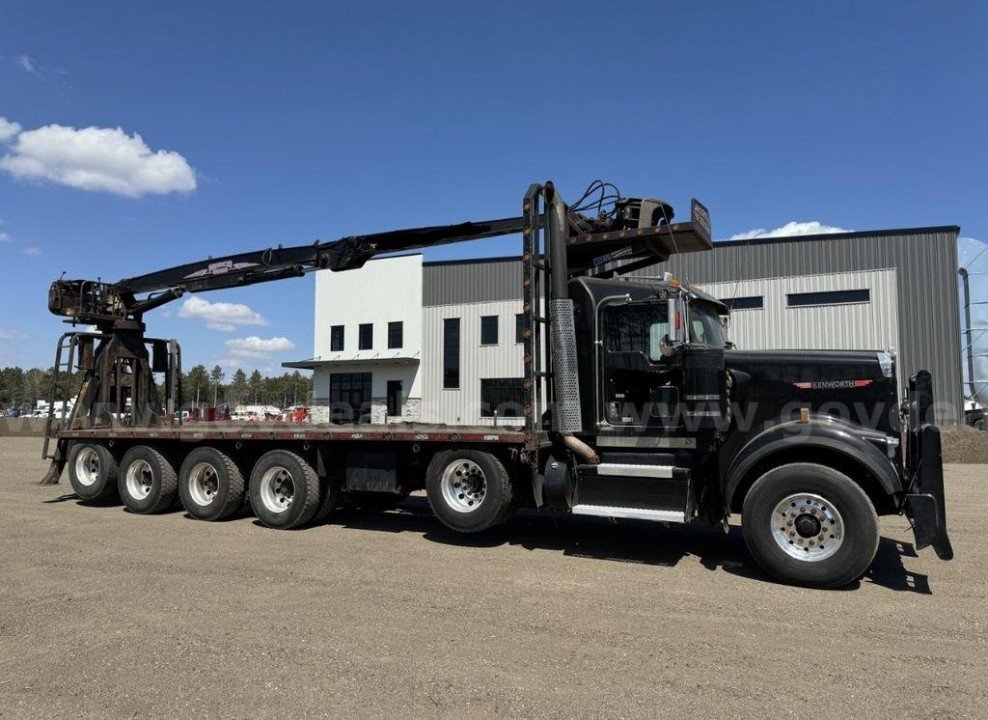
x=925, y=504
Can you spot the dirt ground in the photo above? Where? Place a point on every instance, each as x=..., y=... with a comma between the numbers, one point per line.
x=108, y=614
x=964, y=444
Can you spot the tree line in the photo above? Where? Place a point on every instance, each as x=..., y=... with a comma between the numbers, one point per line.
x=204, y=387
x=21, y=387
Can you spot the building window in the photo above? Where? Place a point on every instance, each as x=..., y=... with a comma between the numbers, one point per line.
x=396, y=333
x=828, y=297
x=394, y=398
x=503, y=397
x=451, y=353
x=366, y=338
x=488, y=330
x=752, y=302
x=349, y=397
x=520, y=328
x=336, y=338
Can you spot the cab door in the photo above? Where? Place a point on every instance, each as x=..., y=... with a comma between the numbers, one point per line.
x=639, y=386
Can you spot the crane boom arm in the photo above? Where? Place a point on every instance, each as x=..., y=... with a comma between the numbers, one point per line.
x=347, y=253
x=639, y=231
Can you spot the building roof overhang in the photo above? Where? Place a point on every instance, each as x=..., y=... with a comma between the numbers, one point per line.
x=315, y=363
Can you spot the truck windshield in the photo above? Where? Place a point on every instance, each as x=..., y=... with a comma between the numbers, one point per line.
x=706, y=327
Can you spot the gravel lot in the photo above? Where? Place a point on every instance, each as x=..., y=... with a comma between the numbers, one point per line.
x=104, y=613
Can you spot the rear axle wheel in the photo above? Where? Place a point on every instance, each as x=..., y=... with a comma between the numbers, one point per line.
x=92, y=471
x=211, y=485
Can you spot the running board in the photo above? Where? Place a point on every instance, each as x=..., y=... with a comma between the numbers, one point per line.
x=651, y=471
x=669, y=516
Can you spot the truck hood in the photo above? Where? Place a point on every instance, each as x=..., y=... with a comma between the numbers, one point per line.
x=853, y=385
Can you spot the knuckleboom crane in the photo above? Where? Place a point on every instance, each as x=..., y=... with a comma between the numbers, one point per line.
x=560, y=242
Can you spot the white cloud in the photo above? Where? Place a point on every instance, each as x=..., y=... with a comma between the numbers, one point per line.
x=94, y=159
x=230, y=364
x=26, y=64
x=32, y=251
x=8, y=129
x=255, y=347
x=813, y=227
x=220, y=315
x=4, y=237
x=7, y=334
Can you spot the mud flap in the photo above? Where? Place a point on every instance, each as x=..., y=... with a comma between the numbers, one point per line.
x=926, y=508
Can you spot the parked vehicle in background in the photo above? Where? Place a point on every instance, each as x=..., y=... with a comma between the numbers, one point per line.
x=974, y=415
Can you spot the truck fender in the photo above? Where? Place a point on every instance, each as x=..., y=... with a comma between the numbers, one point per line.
x=816, y=434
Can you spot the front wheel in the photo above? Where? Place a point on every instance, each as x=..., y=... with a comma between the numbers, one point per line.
x=810, y=525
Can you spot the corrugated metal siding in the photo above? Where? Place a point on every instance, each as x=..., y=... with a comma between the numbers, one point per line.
x=471, y=282
x=871, y=325
x=462, y=406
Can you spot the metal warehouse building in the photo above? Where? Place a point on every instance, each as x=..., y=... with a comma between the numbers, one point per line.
x=402, y=339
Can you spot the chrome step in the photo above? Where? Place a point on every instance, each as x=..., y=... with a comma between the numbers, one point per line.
x=628, y=470
x=670, y=516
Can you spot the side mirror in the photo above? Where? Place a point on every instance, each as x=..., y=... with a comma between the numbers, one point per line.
x=667, y=346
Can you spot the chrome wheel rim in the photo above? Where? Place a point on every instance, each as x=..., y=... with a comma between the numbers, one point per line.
x=807, y=527
x=203, y=484
x=139, y=479
x=87, y=466
x=463, y=486
x=277, y=490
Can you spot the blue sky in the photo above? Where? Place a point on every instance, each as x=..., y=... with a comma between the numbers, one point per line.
x=298, y=121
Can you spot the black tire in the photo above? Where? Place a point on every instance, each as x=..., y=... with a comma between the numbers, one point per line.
x=856, y=524
x=92, y=472
x=329, y=497
x=282, y=479
x=211, y=485
x=454, y=508
x=145, y=470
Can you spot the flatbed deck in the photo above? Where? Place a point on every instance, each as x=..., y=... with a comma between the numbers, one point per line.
x=404, y=432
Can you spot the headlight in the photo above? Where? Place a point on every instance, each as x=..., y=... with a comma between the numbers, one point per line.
x=886, y=360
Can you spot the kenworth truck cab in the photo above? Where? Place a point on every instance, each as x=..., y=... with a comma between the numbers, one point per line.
x=807, y=445
x=636, y=406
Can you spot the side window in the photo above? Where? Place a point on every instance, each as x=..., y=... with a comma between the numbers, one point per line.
x=504, y=397
x=636, y=328
x=451, y=353
x=365, y=339
x=336, y=338
x=488, y=330
x=396, y=335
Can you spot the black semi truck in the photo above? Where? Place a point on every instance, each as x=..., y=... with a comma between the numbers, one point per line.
x=637, y=406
